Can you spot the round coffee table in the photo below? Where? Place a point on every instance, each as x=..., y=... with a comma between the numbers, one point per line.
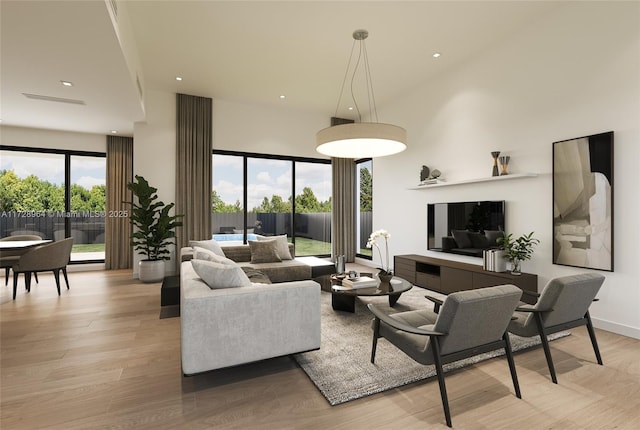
x=344, y=299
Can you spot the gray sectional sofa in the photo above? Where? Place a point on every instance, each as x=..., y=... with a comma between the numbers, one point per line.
x=224, y=327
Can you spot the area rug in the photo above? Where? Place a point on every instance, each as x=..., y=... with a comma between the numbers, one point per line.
x=341, y=368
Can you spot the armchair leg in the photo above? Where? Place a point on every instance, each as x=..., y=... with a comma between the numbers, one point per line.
x=545, y=347
x=56, y=274
x=443, y=389
x=592, y=335
x=27, y=281
x=512, y=364
x=6, y=276
x=66, y=280
x=376, y=334
x=35, y=275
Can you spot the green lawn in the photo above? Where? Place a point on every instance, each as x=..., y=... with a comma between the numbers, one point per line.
x=88, y=247
x=306, y=246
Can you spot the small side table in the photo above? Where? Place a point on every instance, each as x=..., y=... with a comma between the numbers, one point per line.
x=320, y=270
x=170, y=291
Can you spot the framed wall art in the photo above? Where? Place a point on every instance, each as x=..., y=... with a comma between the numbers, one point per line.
x=583, y=202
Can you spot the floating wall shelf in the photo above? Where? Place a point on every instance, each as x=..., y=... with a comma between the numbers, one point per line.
x=473, y=181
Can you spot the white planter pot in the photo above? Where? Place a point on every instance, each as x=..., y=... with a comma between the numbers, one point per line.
x=151, y=270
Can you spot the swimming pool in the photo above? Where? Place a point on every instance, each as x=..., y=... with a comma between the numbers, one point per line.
x=235, y=237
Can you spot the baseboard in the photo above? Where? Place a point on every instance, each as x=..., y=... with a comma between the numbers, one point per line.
x=617, y=328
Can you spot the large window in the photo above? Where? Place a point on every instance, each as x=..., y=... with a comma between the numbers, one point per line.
x=252, y=194
x=54, y=194
x=364, y=174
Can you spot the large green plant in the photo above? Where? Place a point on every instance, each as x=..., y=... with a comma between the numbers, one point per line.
x=155, y=228
x=520, y=249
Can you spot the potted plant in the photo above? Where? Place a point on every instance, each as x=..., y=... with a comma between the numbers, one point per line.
x=385, y=274
x=517, y=250
x=154, y=229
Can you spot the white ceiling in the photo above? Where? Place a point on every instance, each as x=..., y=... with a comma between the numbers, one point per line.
x=248, y=52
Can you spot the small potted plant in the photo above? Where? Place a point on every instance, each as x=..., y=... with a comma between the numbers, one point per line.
x=155, y=229
x=517, y=250
x=385, y=274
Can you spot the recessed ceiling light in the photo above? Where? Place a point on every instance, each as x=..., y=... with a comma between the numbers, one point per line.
x=178, y=78
x=436, y=55
x=67, y=83
x=282, y=97
x=350, y=108
x=114, y=131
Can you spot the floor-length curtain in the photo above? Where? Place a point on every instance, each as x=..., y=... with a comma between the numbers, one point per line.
x=117, y=227
x=343, y=215
x=193, y=168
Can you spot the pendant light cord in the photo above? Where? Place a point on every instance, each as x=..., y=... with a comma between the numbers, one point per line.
x=362, y=54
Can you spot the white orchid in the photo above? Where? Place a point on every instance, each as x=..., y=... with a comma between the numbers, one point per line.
x=373, y=242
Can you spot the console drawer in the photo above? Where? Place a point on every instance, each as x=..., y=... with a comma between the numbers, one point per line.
x=426, y=280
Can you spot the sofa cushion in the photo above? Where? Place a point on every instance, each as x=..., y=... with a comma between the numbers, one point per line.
x=217, y=275
x=208, y=255
x=256, y=276
x=264, y=252
x=211, y=245
x=492, y=236
x=462, y=238
x=281, y=244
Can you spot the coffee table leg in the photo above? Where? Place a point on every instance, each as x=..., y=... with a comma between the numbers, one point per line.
x=343, y=302
x=393, y=299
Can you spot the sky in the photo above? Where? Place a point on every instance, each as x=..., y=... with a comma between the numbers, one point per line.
x=85, y=171
x=266, y=178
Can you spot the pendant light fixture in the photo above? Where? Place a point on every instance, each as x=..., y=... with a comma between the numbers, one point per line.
x=361, y=139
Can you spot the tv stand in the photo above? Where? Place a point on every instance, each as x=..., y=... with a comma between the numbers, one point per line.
x=446, y=276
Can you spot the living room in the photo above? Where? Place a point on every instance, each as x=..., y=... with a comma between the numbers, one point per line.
x=570, y=72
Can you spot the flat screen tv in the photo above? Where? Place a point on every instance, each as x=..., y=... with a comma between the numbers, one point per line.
x=465, y=228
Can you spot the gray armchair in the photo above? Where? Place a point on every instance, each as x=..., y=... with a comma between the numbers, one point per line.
x=563, y=304
x=9, y=257
x=52, y=256
x=468, y=323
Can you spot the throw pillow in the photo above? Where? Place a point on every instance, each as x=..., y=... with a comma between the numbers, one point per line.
x=281, y=243
x=217, y=275
x=208, y=255
x=263, y=252
x=462, y=238
x=211, y=245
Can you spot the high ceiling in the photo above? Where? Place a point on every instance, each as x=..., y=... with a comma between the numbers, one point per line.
x=250, y=52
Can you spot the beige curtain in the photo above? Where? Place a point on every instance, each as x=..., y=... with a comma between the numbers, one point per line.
x=118, y=252
x=343, y=216
x=193, y=168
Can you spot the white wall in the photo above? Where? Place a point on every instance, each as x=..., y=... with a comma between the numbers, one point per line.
x=266, y=130
x=52, y=139
x=569, y=75
x=154, y=154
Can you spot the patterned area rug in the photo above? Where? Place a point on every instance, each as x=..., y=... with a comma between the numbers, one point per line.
x=341, y=368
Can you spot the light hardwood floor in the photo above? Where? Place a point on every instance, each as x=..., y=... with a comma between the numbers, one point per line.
x=98, y=357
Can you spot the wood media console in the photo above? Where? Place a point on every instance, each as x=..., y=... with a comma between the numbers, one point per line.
x=446, y=276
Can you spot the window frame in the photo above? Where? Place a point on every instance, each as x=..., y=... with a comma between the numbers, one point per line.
x=245, y=157
x=357, y=163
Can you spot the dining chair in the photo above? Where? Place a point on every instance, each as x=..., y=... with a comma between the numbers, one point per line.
x=53, y=256
x=563, y=304
x=9, y=257
x=469, y=323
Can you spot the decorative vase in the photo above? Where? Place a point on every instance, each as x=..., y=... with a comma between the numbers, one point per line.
x=515, y=266
x=385, y=281
x=495, y=155
x=504, y=163
x=151, y=270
